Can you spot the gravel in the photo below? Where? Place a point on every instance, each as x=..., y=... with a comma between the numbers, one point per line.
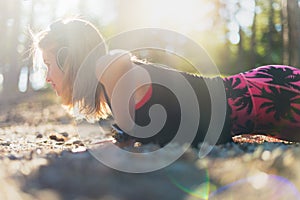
x=43, y=157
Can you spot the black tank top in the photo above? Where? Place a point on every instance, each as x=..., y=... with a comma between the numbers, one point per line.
x=163, y=96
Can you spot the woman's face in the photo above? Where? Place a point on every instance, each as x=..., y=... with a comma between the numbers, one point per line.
x=54, y=73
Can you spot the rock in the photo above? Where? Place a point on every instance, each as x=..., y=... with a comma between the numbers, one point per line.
x=57, y=137
x=6, y=143
x=65, y=134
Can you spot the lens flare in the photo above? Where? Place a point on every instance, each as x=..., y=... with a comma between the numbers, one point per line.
x=267, y=186
x=200, y=191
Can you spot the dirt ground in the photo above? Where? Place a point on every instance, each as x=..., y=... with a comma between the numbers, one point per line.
x=44, y=157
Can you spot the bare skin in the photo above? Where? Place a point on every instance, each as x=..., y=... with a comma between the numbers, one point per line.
x=109, y=71
x=115, y=71
x=54, y=73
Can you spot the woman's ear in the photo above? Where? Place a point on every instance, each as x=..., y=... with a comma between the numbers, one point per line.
x=115, y=60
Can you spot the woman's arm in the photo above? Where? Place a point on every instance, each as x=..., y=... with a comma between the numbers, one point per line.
x=110, y=69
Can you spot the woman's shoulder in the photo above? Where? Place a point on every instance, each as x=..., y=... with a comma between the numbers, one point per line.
x=163, y=69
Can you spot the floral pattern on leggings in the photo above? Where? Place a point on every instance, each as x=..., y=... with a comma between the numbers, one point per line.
x=265, y=100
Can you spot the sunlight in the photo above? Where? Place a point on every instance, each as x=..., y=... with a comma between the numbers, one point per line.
x=181, y=15
x=66, y=7
x=23, y=80
x=104, y=9
x=1, y=79
x=37, y=79
x=245, y=18
x=259, y=181
x=234, y=37
x=245, y=14
x=241, y=17
x=1, y=82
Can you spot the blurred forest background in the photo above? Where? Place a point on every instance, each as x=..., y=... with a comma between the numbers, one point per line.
x=238, y=34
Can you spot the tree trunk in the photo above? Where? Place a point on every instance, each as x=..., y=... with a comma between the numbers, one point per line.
x=11, y=77
x=241, y=50
x=271, y=32
x=3, y=39
x=285, y=33
x=253, y=40
x=294, y=32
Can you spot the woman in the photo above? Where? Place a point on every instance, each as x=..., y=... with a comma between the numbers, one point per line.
x=262, y=101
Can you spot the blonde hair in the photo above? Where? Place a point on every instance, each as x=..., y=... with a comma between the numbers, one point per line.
x=83, y=45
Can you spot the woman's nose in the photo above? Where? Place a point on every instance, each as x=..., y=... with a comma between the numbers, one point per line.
x=48, y=79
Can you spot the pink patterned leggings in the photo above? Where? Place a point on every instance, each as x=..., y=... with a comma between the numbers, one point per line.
x=265, y=100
